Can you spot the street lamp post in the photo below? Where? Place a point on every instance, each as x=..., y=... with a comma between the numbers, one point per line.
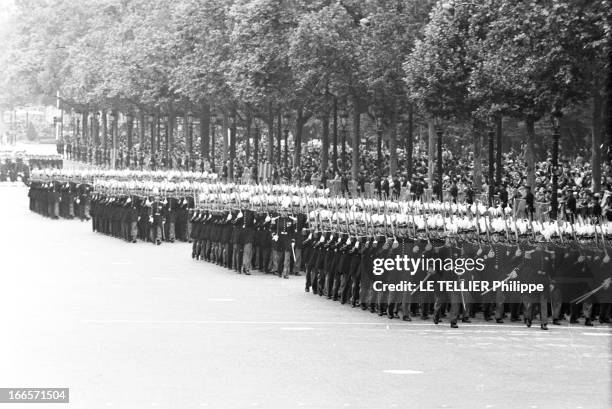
x=379, y=132
x=343, y=124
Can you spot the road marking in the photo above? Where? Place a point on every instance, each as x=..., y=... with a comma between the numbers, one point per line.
x=221, y=299
x=297, y=328
x=402, y=372
x=594, y=334
x=121, y=263
x=402, y=326
x=163, y=278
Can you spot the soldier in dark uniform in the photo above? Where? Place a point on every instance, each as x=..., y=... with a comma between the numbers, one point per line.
x=355, y=254
x=536, y=270
x=156, y=220
x=262, y=247
x=310, y=257
x=275, y=246
x=300, y=231
x=441, y=296
x=236, y=229
x=286, y=236
x=84, y=192
x=406, y=248
x=374, y=249
x=170, y=205
x=247, y=236
x=54, y=200
x=226, y=236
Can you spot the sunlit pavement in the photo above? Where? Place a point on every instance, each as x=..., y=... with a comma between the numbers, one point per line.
x=140, y=326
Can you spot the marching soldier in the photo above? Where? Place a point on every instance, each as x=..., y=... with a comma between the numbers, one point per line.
x=286, y=237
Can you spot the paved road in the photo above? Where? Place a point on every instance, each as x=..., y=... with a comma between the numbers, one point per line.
x=139, y=326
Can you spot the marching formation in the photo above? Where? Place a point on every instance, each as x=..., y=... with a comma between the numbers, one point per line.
x=399, y=259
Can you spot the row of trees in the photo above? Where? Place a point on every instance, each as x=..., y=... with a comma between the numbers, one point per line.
x=280, y=63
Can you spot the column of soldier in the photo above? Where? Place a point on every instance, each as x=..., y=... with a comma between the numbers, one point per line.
x=148, y=205
x=15, y=165
x=286, y=230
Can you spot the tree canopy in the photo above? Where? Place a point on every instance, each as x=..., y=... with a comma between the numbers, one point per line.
x=447, y=59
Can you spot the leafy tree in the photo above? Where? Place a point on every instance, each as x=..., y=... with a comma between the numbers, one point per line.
x=541, y=54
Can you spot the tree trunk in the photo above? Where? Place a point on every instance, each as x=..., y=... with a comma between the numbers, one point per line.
x=141, y=130
x=270, y=147
x=279, y=136
x=84, y=125
x=205, y=132
x=596, y=140
x=439, y=172
x=91, y=119
x=115, y=136
x=187, y=134
x=247, y=137
x=171, y=124
x=499, y=130
x=232, y=152
x=130, y=131
x=104, y=129
x=335, y=136
x=491, y=174
x=96, y=130
x=324, y=144
x=256, y=146
x=431, y=148
x=410, y=142
x=213, y=147
x=299, y=130
x=158, y=138
x=477, y=141
x=356, y=137
x=393, y=146
x=153, y=128
x=530, y=150
x=224, y=136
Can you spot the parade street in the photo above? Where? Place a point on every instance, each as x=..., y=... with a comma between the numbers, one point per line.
x=140, y=326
